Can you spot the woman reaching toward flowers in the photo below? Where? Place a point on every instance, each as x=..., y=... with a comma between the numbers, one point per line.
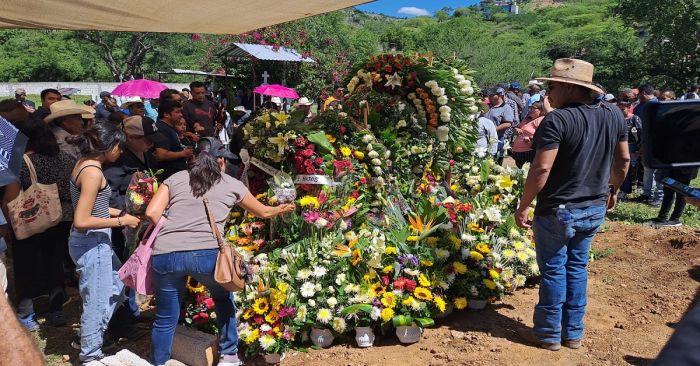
x=186, y=245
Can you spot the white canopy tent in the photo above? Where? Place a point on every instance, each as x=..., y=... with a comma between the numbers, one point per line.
x=206, y=16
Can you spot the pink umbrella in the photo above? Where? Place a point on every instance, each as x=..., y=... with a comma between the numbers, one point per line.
x=140, y=88
x=276, y=90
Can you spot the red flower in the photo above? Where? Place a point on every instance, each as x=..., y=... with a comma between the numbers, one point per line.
x=201, y=318
x=309, y=170
x=363, y=180
x=388, y=69
x=259, y=320
x=319, y=161
x=385, y=280
x=355, y=194
x=378, y=108
x=209, y=303
x=410, y=285
x=307, y=152
x=342, y=130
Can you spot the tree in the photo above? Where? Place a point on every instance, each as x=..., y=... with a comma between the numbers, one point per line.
x=669, y=29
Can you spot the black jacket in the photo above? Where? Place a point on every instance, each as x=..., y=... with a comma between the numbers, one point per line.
x=119, y=174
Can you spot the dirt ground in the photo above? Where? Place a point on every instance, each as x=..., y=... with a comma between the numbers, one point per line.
x=636, y=296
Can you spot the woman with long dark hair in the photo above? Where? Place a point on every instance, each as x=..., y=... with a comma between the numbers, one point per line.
x=186, y=245
x=522, y=146
x=90, y=244
x=38, y=259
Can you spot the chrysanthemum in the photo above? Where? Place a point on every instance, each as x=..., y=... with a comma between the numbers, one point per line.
x=261, y=306
x=439, y=303
x=509, y=253
x=519, y=245
x=252, y=336
x=476, y=255
x=519, y=280
x=308, y=289
x=489, y=284
x=390, y=250
x=304, y=274
x=319, y=271
x=309, y=201
x=483, y=249
x=423, y=281
x=301, y=314
x=267, y=341
x=523, y=257
x=460, y=268
x=460, y=303
x=387, y=314
x=324, y=315
x=339, y=325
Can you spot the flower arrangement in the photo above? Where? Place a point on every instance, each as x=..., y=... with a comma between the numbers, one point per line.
x=266, y=323
x=199, y=312
x=141, y=189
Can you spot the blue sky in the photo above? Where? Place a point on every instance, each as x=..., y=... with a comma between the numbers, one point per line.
x=411, y=8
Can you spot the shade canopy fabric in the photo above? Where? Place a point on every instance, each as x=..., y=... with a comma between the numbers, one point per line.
x=276, y=90
x=143, y=88
x=263, y=52
x=207, y=16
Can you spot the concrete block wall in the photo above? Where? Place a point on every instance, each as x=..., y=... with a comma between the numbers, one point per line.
x=92, y=89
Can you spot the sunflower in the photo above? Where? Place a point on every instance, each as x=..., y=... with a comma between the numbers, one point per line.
x=389, y=300
x=439, y=303
x=248, y=313
x=388, y=269
x=261, y=306
x=423, y=293
x=356, y=257
x=377, y=290
x=194, y=287
x=460, y=303
x=459, y=268
x=272, y=318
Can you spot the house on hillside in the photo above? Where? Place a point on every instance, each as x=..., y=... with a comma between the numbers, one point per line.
x=508, y=6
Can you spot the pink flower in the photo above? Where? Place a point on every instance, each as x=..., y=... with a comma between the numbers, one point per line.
x=311, y=216
x=322, y=198
x=201, y=318
x=209, y=303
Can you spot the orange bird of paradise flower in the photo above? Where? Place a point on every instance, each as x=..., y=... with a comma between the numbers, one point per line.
x=417, y=224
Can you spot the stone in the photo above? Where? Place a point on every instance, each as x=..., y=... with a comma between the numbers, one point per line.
x=194, y=348
x=456, y=334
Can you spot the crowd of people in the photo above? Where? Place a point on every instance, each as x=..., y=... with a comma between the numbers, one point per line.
x=91, y=151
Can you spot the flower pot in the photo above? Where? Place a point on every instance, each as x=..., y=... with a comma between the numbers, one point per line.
x=274, y=358
x=364, y=336
x=448, y=310
x=321, y=337
x=477, y=304
x=408, y=333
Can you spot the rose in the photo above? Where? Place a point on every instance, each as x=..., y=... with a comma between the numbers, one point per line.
x=209, y=303
x=201, y=318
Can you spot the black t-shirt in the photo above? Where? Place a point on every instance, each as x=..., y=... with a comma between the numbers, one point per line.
x=586, y=136
x=204, y=113
x=170, y=142
x=119, y=173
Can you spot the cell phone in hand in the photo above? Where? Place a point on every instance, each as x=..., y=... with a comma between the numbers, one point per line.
x=681, y=188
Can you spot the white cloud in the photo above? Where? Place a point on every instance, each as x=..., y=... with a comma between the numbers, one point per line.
x=413, y=11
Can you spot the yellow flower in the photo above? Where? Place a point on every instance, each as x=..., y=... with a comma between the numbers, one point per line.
x=408, y=301
x=283, y=287
x=309, y=201
x=235, y=214
x=460, y=303
x=345, y=151
x=489, y=284
x=476, y=255
x=277, y=297
x=272, y=317
x=342, y=250
x=423, y=281
x=377, y=290
x=387, y=314
x=261, y=306
x=388, y=269
x=253, y=336
x=423, y=293
x=330, y=138
x=496, y=198
x=390, y=250
x=475, y=227
x=431, y=240
x=413, y=238
x=359, y=155
x=261, y=196
x=522, y=256
x=370, y=275
x=248, y=313
x=356, y=257
x=460, y=268
x=136, y=198
x=494, y=274
x=426, y=263
x=389, y=300
x=483, y=248
x=281, y=143
x=439, y=303
x=454, y=240
x=505, y=183
x=198, y=289
x=519, y=245
x=280, y=118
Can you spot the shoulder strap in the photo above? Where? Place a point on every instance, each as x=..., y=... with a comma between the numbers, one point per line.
x=83, y=168
x=30, y=167
x=212, y=223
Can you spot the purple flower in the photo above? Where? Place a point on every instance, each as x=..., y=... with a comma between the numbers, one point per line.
x=376, y=303
x=285, y=312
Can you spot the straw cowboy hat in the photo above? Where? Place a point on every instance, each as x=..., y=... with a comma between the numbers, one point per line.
x=304, y=101
x=276, y=100
x=573, y=71
x=240, y=110
x=130, y=101
x=68, y=107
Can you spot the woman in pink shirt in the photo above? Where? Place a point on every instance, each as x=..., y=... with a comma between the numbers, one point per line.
x=522, y=146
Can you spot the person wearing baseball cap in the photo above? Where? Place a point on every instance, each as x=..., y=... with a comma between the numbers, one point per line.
x=580, y=162
x=502, y=116
x=514, y=95
x=21, y=97
x=534, y=87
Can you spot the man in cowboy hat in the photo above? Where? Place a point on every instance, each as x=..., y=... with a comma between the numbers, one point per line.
x=66, y=120
x=134, y=106
x=581, y=160
x=304, y=104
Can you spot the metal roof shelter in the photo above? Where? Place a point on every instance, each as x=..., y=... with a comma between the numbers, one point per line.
x=191, y=72
x=172, y=16
x=263, y=52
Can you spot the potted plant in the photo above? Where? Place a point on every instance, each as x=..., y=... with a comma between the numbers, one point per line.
x=360, y=314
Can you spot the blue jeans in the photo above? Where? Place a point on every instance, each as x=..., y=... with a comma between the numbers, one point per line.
x=170, y=272
x=562, y=243
x=100, y=287
x=650, y=185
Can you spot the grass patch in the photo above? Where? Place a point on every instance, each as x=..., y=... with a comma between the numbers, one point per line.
x=597, y=254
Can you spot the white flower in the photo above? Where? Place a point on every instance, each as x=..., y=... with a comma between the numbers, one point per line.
x=445, y=109
x=301, y=313
x=377, y=170
x=468, y=237
x=431, y=84
x=411, y=96
x=373, y=154
x=367, y=138
x=451, y=278
x=411, y=272
x=267, y=341
x=380, y=181
x=480, y=152
x=342, y=115
x=304, y=274
x=438, y=92
x=415, y=150
x=312, y=303
x=387, y=154
x=442, y=100
x=445, y=117
x=442, y=254
x=470, y=101
x=443, y=133
x=318, y=287
x=332, y=301
x=519, y=280
x=352, y=288
x=375, y=314
x=265, y=327
x=493, y=214
x=321, y=223
x=339, y=325
x=350, y=236
x=319, y=271
x=376, y=161
x=458, y=77
x=331, y=289
x=343, y=225
x=324, y=315
x=401, y=123
x=283, y=270
x=473, y=109
x=370, y=147
x=308, y=289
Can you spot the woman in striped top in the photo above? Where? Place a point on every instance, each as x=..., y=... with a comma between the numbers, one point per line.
x=90, y=245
